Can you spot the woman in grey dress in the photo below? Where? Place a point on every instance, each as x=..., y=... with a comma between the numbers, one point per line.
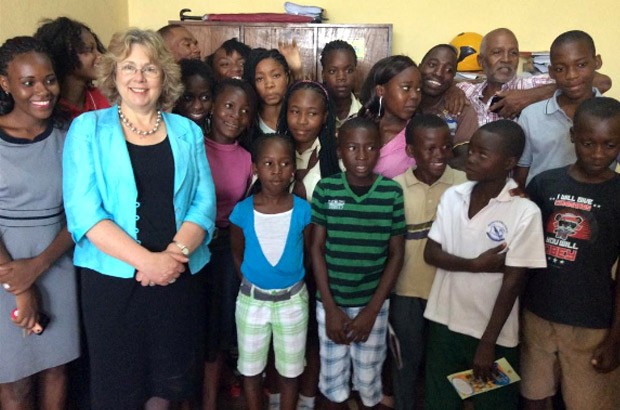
x=36, y=271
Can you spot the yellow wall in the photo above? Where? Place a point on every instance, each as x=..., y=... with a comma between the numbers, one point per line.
x=417, y=25
x=21, y=17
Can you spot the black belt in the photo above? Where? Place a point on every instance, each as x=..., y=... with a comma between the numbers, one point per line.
x=278, y=295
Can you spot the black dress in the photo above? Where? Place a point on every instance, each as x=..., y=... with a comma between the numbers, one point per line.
x=149, y=342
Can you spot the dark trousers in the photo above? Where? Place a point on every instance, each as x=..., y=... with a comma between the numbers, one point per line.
x=407, y=319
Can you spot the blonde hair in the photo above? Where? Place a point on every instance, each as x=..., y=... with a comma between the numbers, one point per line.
x=119, y=49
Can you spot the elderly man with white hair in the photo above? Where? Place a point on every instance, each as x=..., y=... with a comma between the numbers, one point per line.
x=503, y=94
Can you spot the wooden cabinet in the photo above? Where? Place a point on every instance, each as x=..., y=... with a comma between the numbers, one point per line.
x=268, y=37
x=372, y=42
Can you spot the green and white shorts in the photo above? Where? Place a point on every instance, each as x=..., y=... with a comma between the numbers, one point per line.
x=257, y=320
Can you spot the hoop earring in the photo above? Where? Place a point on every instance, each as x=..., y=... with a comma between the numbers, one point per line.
x=379, y=113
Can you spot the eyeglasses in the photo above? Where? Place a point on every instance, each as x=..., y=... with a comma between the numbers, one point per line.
x=148, y=71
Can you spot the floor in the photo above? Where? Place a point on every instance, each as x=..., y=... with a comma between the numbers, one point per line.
x=228, y=402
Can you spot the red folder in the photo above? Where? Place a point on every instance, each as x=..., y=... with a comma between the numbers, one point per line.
x=259, y=18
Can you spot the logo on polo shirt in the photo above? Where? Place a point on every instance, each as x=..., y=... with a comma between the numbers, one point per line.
x=496, y=231
x=337, y=204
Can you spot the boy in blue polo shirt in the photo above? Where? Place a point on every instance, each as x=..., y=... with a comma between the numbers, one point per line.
x=547, y=123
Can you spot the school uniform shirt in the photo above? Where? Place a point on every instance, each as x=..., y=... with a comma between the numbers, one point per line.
x=265, y=129
x=464, y=301
x=421, y=201
x=356, y=105
x=547, y=136
x=314, y=175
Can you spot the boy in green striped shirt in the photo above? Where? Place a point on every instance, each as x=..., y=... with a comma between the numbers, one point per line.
x=357, y=252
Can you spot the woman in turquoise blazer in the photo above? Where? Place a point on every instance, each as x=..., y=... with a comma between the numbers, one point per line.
x=96, y=155
x=140, y=205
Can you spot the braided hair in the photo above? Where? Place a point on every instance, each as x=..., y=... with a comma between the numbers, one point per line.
x=337, y=45
x=328, y=158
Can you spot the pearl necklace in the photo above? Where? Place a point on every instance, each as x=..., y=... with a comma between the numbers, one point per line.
x=134, y=129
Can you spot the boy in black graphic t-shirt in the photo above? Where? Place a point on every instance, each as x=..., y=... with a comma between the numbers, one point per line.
x=570, y=320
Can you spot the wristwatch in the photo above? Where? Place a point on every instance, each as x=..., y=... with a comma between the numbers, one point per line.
x=184, y=249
